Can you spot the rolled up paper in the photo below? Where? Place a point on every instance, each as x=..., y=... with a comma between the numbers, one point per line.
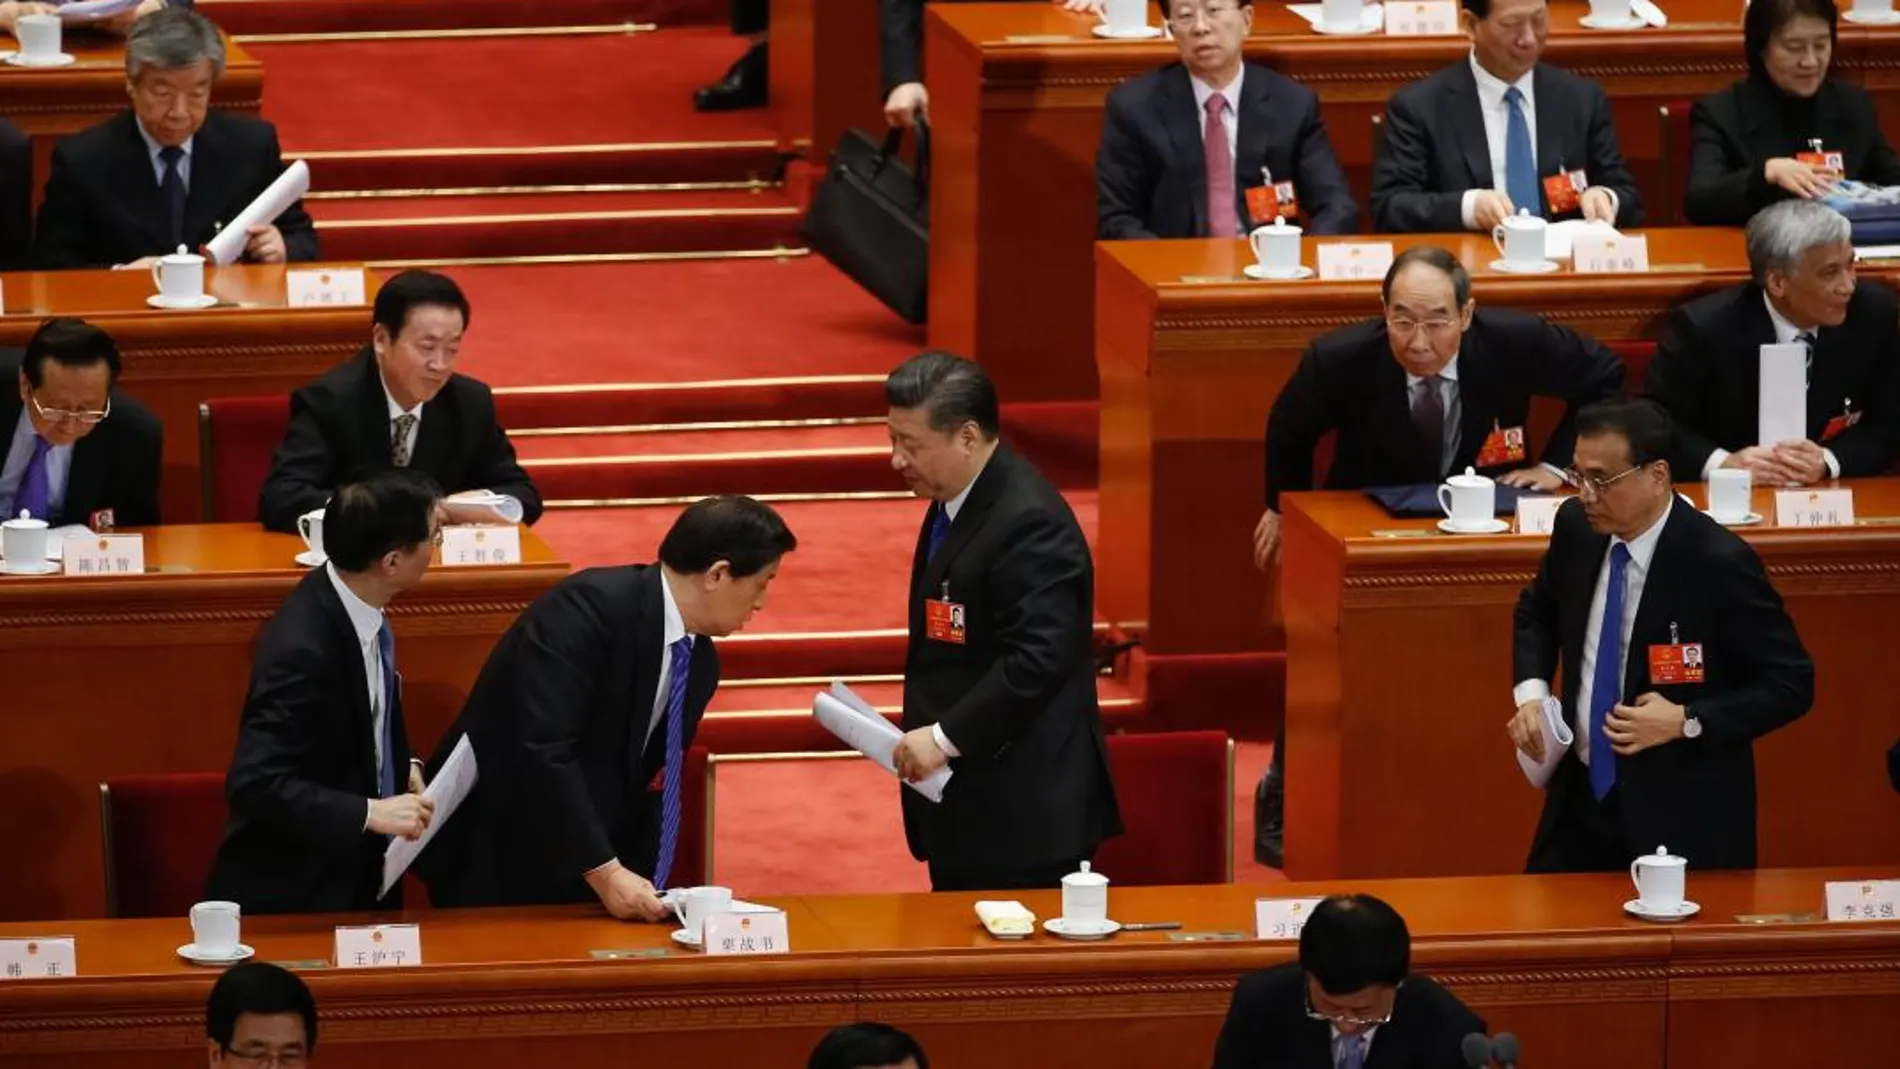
x=286, y=191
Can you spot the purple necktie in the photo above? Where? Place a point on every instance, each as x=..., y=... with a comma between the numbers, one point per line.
x=670, y=796
x=1222, y=219
x=35, y=495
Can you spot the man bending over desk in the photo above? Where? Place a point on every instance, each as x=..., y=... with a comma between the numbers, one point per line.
x=77, y=449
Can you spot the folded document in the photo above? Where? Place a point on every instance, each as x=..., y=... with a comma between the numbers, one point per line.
x=865, y=730
x=1557, y=740
x=447, y=790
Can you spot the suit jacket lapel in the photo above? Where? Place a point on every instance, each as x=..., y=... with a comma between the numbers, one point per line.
x=1756, y=330
x=1256, y=128
x=372, y=412
x=648, y=620
x=436, y=435
x=1550, y=107
x=969, y=519
x=204, y=195
x=1182, y=122
x=1474, y=400
x=355, y=677
x=138, y=184
x=1467, y=123
x=1394, y=393
x=85, y=477
x=1652, y=613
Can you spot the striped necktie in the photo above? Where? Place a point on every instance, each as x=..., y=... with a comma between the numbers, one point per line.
x=670, y=795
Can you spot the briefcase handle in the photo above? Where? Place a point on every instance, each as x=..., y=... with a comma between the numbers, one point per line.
x=894, y=140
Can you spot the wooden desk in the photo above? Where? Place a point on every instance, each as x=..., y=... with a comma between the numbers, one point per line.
x=825, y=74
x=111, y=677
x=50, y=102
x=250, y=343
x=1016, y=98
x=1390, y=777
x=1551, y=959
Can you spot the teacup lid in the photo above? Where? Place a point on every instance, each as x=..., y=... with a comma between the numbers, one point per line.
x=1083, y=877
x=1524, y=218
x=1469, y=478
x=1662, y=856
x=24, y=519
x=182, y=256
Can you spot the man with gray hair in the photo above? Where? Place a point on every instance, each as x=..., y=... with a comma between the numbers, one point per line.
x=168, y=171
x=1707, y=369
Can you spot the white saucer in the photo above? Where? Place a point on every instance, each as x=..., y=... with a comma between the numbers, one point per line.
x=686, y=939
x=1255, y=271
x=191, y=953
x=1489, y=527
x=1634, y=907
x=1541, y=267
x=1139, y=33
x=45, y=567
x=203, y=300
x=64, y=59
x=1081, y=929
x=1749, y=520
x=1871, y=18
x=1627, y=22
x=1359, y=30
x=310, y=558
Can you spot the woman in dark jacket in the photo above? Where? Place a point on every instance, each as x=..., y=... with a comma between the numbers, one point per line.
x=1749, y=139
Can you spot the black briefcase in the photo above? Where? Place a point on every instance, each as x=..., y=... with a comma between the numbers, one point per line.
x=870, y=218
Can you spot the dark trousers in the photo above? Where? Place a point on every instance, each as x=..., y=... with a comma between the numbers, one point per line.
x=16, y=198
x=750, y=16
x=1578, y=833
x=944, y=878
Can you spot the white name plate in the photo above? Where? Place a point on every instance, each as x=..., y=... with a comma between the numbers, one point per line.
x=103, y=554
x=1875, y=900
x=1281, y=918
x=1538, y=515
x=1430, y=18
x=308, y=288
x=1611, y=254
x=481, y=544
x=1355, y=260
x=747, y=933
x=1814, y=508
x=378, y=946
x=38, y=958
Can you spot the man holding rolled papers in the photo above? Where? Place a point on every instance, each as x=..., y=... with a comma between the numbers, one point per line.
x=170, y=170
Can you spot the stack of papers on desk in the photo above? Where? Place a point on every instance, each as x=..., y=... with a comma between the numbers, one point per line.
x=865, y=730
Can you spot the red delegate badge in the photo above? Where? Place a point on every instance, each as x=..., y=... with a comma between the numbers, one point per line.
x=944, y=621
x=1504, y=445
x=1839, y=425
x=1678, y=663
x=1564, y=191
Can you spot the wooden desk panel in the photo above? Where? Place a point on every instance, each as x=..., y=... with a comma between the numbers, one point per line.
x=1399, y=680
x=250, y=343
x=825, y=74
x=1549, y=958
x=1017, y=93
x=111, y=677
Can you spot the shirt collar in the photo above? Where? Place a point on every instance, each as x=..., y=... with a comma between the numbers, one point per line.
x=674, y=627
x=23, y=432
x=365, y=619
x=153, y=148
x=1449, y=374
x=1491, y=87
x=1643, y=547
x=394, y=408
x=1203, y=92
x=1785, y=330
x=955, y=504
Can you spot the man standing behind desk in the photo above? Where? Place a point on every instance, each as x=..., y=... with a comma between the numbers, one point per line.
x=77, y=449
x=999, y=678
x=399, y=402
x=1213, y=146
x=594, y=691
x=1637, y=587
x=316, y=784
x=1434, y=387
x=170, y=171
x=1707, y=370
x=1500, y=132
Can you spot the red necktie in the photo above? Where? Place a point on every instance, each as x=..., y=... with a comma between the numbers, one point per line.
x=1222, y=221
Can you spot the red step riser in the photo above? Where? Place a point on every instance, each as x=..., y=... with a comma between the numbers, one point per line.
x=812, y=655
x=487, y=239
x=698, y=478
x=613, y=408
x=358, y=16
x=687, y=163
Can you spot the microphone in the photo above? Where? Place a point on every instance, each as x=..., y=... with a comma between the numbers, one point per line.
x=1477, y=1051
x=1504, y=1050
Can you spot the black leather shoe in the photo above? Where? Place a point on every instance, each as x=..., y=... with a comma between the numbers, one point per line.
x=742, y=87
x=1269, y=823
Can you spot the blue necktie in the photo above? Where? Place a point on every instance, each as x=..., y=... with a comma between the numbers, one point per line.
x=939, y=528
x=172, y=186
x=386, y=774
x=1352, y=1052
x=1520, y=157
x=35, y=495
x=1606, y=682
x=681, y=666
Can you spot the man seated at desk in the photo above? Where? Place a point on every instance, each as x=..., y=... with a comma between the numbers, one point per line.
x=77, y=450
x=169, y=171
x=1500, y=133
x=1350, y=1001
x=1213, y=146
x=1707, y=369
x=260, y=1014
x=400, y=403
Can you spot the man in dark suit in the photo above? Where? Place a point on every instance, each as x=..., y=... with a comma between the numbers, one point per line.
x=399, y=402
x=999, y=678
x=258, y=1013
x=867, y=1045
x=1707, y=369
x=1213, y=146
x=1350, y=1002
x=1433, y=388
x=167, y=172
x=77, y=449
x=744, y=83
x=1676, y=654
x=1481, y=139
x=597, y=689
x=322, y=777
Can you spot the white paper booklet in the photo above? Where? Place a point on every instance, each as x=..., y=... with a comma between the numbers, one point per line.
x=447, y=790
x=865, y=730
x=286, y=191
x=1561, y=237
x=1783, y=413
x=1557, y=741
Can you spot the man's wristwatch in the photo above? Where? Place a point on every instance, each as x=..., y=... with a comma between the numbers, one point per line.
x=1691, y=727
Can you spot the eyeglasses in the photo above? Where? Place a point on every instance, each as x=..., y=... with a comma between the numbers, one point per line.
x=1586, y=484
x=1406, y=326
x=285, y=1059
x=1346, y=1019
x=1185, y=17
x=60, y=415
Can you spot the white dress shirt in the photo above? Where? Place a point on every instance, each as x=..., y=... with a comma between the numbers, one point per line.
x=1204, y=92
x=1785, y=334
x=1642, y=549
x=1497, y=124
x=153, y=148
x=59, y=461
x=1454, y=411
x=672, y=629
x=507, y=506
x=950, y=509
x=367, y=621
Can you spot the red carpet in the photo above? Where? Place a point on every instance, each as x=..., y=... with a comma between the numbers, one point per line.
x=343, y=16
x=542, y=165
